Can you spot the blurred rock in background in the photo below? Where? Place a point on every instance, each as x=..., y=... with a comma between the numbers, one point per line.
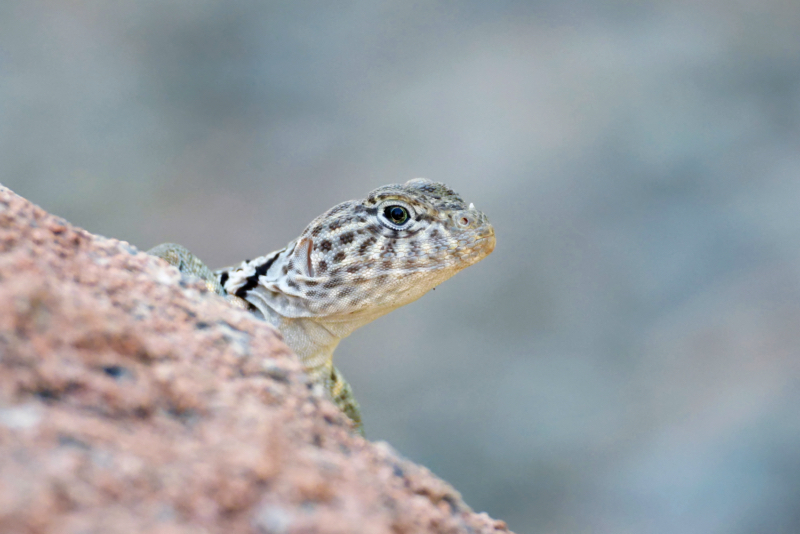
x=632, y=343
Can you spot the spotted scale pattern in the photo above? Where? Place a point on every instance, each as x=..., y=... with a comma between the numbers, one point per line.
x=349, y=263
x=354, y=263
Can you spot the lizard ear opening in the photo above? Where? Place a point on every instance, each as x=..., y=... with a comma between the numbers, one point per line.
x=303, y=251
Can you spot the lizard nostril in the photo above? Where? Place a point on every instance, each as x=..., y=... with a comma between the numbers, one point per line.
x=464, y=221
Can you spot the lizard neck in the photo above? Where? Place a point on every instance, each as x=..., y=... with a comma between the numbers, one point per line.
x=263, y=283
x=311, y=341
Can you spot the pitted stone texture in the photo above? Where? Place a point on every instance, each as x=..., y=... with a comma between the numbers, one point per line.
x=132, y=400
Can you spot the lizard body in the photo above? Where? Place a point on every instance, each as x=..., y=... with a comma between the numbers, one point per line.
x=354, y=263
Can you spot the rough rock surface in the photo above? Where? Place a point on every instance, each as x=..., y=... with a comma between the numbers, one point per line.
x=131, y=400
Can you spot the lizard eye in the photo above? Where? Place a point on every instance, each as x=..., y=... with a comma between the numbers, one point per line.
x=395, y=215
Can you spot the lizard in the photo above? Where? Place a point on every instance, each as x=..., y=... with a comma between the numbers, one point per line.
x=354, y=263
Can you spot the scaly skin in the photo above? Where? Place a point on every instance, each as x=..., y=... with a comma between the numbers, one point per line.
x=354, y=263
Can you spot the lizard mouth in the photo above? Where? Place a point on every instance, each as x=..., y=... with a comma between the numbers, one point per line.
x=486, y=240
x=479, y=248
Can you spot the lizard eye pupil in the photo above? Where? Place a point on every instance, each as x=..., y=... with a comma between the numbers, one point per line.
x=396, y=214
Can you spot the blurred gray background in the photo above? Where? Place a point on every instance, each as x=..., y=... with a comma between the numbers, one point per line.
x=627, y=359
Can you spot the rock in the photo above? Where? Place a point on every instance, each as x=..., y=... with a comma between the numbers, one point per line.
x=132, y=400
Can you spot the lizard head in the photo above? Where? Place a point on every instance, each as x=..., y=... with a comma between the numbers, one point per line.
x=363, y=258
x=373, y=255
